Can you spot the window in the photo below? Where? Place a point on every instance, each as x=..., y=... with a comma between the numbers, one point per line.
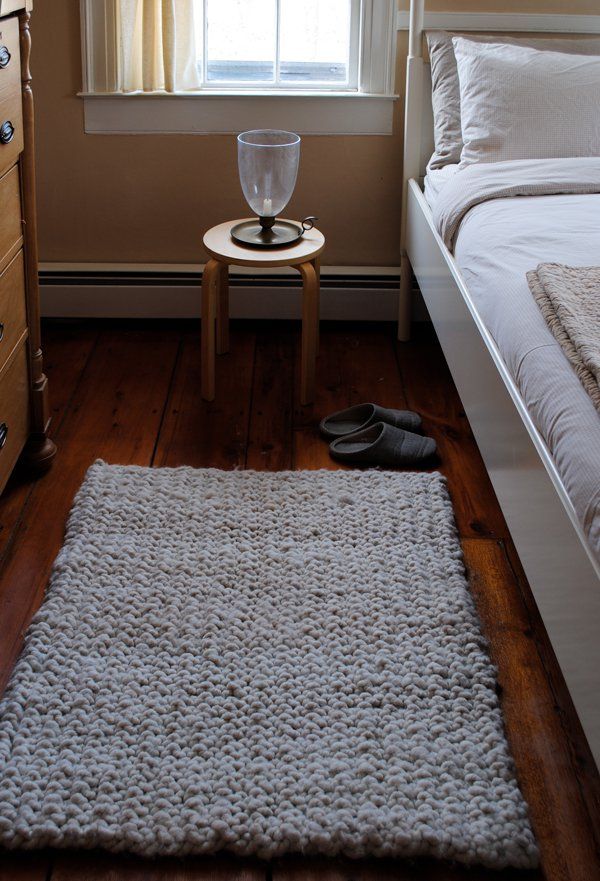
x=286, y=44
x=225, y=65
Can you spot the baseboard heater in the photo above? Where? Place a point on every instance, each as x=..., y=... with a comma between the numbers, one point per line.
x=97, y=291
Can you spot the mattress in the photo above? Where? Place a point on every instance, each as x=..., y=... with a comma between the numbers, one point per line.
x=498, y=241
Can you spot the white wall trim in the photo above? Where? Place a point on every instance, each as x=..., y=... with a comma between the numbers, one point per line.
x=506, y=21
x=102, y=290
x=99, y=45
x=378, y=47
x=107, y=110
x=321, y=114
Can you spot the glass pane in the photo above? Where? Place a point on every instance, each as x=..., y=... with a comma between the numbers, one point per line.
x=241, y=40
x=314, y=41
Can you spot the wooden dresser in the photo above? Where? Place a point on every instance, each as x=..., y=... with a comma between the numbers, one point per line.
x=23, y=386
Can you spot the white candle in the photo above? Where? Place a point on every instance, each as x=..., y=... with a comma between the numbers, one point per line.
x=267, y=208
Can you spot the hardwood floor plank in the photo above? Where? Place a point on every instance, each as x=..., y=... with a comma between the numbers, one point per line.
x=339, y=869
x=114, y=867
x=431, y=391
x=67, y=347
x=24, y=866
x=270, y=433
x=114, y=415
x=355, y=365
x=66, y=353
x=137, y=399
x=544, y=767
x=209, y=434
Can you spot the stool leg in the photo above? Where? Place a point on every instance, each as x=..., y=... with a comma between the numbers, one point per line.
x=310, y=330
x=210, y=278
x=223, y=311
x=317, y=264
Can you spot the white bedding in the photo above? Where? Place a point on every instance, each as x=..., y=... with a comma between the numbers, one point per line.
x=435, y=180
x=497, y=242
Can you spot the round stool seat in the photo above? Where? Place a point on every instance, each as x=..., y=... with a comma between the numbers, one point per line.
x=220, y=246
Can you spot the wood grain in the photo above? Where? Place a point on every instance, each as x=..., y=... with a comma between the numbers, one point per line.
x=208, y=433
x=11, y=230
x=10, y=95
x=310, y=332
x=39, y=447
x=132, y=394
x=431, y=391
x=24, y=866
x=14, y=410
x=68, y=347
x=337, y=869
x=542, y=757
x=270, y=432
x=110, y=867
x=211, y=278
x=117, y=420
x=355, y=366
x=12, y=306
x=220, y=246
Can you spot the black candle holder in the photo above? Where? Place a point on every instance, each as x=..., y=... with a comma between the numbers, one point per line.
x=268, y=232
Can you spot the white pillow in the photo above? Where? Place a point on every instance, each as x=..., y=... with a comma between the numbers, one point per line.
x=445, y=89
x=520, y=103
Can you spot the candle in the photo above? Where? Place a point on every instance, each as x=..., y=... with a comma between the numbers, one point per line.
x=267, y=208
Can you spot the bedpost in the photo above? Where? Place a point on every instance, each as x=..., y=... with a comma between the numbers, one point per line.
x=412, y=152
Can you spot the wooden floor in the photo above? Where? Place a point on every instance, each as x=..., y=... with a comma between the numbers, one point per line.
x=130, y=393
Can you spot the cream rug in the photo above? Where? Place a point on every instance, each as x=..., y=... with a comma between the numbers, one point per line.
x=260, y=662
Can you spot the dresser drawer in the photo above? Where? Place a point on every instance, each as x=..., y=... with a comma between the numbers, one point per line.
x=11, y=228
x=14, y=412
x=13, y=316
x=11, y=109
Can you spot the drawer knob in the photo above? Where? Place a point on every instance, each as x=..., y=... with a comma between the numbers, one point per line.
x=7, y=132
x=3, y=434
x=1, y=331
x=5, y=56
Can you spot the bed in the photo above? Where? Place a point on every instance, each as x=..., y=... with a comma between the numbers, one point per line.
x=536, y=426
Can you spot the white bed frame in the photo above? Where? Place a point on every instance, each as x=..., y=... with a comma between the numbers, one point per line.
x=562, y=570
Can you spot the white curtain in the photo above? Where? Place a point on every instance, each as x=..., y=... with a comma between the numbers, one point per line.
x=158, y=45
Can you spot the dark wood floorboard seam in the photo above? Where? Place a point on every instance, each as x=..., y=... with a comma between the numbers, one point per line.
x=176, y=362
x=250, y=401
x=55, y=436
x=396, y=345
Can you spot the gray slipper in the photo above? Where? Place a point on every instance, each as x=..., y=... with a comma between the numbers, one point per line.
x=362, y=415
x=382, y=444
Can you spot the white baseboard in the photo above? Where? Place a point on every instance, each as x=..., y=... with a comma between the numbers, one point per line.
x=173, y=291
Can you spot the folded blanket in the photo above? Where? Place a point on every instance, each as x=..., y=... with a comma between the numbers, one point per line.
x=569, y=300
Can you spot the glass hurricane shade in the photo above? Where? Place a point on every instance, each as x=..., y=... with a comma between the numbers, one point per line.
x=268, y=165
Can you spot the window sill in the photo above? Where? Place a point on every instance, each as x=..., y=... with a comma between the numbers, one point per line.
x=218, y=112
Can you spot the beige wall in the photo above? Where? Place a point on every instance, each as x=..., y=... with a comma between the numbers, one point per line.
x=148, y=198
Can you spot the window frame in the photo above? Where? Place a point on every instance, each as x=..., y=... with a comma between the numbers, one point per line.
x=353, y=64
x=107, y=109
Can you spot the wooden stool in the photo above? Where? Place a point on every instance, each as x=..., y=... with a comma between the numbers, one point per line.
x=303, y=255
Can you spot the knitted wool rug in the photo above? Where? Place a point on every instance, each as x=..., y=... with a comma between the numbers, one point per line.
x=263, y=663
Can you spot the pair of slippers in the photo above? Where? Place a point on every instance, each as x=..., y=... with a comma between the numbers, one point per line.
x=368, y=434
